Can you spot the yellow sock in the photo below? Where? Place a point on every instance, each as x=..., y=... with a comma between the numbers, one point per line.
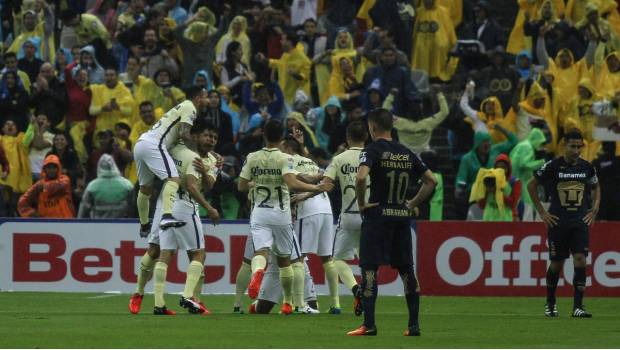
x=194, y=270
x=241, y=283
x=258, y=262
x=332, y=281
x=159, y=283
x=345, y=273
x=198, y=288
x=299, y=276
x=286, y=280
x=168, y=195
x=146, y=272
x=143, y=207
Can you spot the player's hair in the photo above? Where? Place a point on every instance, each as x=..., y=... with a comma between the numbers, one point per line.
x=573, y=134
x=199, y=126
x=123, y=126
x=145, y=104
x=273, y=130
x=193, y=91
x=210, y=126
x=291, y=143
x=9, y=54
x=111, y=67
x=382, y=118
x=357, y=131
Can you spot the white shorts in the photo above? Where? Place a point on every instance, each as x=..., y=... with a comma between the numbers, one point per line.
x=248, y=252
x=271, y=290
x=187, y=237
x=153, y=160
x=347, y=238
x=278, y=238
x=315, y=234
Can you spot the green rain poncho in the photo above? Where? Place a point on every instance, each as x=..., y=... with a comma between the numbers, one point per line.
x=470, y=163
x=524, y=161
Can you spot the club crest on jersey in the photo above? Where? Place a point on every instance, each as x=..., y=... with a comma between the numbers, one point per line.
x=362, y=157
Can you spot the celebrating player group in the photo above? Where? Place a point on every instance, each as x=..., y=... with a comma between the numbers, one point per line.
x=291, y=215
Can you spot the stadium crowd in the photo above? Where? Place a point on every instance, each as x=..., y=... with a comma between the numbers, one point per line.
x=81, y=80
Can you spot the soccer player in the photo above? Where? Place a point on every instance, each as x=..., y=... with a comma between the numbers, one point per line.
x=575, y=198
x=272, y=173
x=188, y=237
x=204, y=166
x=343, y=169
x=314, y=226
x=152, y=157
x=386, y=234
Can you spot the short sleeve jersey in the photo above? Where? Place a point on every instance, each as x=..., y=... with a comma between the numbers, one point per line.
x=393, y=168
x=183, y=158
x=343, y=168
x=570, y=187
x=318, y=204
x=270, y=198
x=166, y=130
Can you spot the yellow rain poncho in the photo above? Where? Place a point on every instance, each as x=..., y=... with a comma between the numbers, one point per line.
x=337, y=81
x=102, y=95
x=91, y=28
x=576, y=11
x=455, y=7
x=554, y=103
x=242, y=38
x=606, y=82
x=362, y=13
x=517, y=41
x=47, y=50
x=434, y=37
x=20, y=178
x=580, y=117
x=294, y=61
x=528, y=112
x=495, y=209
x=498, y=118
x=567, y=77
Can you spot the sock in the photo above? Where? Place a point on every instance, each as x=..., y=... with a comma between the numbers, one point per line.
x=299, y=276
x=143, y=207
x=194, y=270
x=241, y=283
x=345, y=273
x=331, y=272
x=579, y=280
x=412, y=296
x=552, y=284
x=146, y=272
x=159, y=283
x=199, y=284
x=309, y=290
x=369, y=294
x=168, y=194
x=286, y=280
x=258, y=262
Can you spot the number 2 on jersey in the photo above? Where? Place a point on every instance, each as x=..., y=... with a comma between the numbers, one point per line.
x=268, y=197
x=348, y=209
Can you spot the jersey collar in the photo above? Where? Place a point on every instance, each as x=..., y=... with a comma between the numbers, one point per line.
x=270, y=149
x=356, y=148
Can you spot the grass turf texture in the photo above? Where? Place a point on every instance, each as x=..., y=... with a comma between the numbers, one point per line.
x=83, y=320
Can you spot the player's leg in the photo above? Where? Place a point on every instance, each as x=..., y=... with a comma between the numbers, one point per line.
x=346, y=243
x=311, y=304
x=161, y=270
x=283, y=248
x=325, y=251
x=143, y=151
x=193, y=276
x=369, y=290
x=244, y=274
x=558, y=252
x=262, y=239
x=147, y=263
x=579, y=247
x=299, y=280
x=412, y=295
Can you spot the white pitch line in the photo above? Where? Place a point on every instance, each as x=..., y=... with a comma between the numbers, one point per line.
x=103, y=296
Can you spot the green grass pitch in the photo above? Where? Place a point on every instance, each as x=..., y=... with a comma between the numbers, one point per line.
x=83, y=320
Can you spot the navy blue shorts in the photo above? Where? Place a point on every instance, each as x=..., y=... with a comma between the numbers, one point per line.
x=568, y=238
x=386, y=243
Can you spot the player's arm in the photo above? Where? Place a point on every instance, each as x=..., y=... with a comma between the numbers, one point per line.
x=360, y=188
x=550, y=220
x=596, y=201
x=193, y=188
x=309, y=179
x=428, y=186
x=298, y=186
x=245, y=185
x=185, y=135
x=208, y=178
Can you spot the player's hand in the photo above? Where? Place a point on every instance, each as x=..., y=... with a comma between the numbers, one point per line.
x=213, y=215
x=325, y=187
x=298, y=197
x=368, y=206
x=590, y=216
x=549, y=219
x=200, y=166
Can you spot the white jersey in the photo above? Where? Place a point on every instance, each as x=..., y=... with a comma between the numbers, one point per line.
x=183, y=158
x=318, y=204
x=166, y=130
x=270, y=197
x=343, y=168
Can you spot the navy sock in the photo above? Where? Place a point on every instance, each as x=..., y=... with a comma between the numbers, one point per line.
x=579, y=280
x=369, y=294
x=552, y=284
x=407, y=274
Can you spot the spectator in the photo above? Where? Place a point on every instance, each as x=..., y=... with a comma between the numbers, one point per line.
x=111, y=102
x=302, y=11
x=40, y=140
x=328, y=118
x=485, y=28
x=398, y=17
x=88, y=61
x=490, y=193
x=339, y=14
x=107, y=145
x=201, y=78
x=226, y=107
x=293, y=67
x=531, y=111
x=63, y=59
x=379, y=39
x=498, y=79
x=109, y=196
x=579, y=115
x=531, y=29
x=147, y=120
x=49, y=95
x=6, y=170
x=175, y=11
x=30, y=63
x=608, y=171
x=236, y=33
x=530, y=11
x=524, y=163
x=295, y=120
x=132, y=15
x=266, y=100
x=77, y=119
x=235, y=73
x=165, y=95
x=44, y=30
x=105, y=10
x=222, y=121
x=344, y=84
x=337, y=142
x=434, y=37
x=490, y=113
x=155, y=57
x=63, y=148
x=49, y=197
x=315, y=44
x=19, y=178
x=251, y=139
x=435, y=211
x=514, y=197
x=10, y=64
x=141, y=87
x=89, y=31
x=14, y=100
x=167, y=40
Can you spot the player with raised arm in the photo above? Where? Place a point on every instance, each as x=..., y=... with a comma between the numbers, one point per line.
x=386, y=218
x=272, y=173
x=575, y=197
x=343, y=169
x=205, y=165
x=152, y=157
x=188, y=237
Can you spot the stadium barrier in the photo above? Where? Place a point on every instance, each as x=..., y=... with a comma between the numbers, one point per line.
x=455, y=258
